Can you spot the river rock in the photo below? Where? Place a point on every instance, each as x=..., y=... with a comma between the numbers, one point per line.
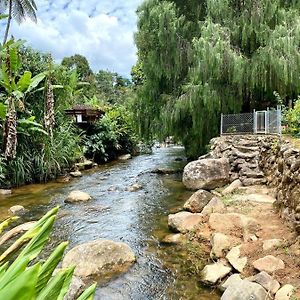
x=206, y=174
x=230, y=222
x=76, y=287
x=166, y=171
x=255, y=198
x=266, y=281
x=269, y=244
x=18, y=210
x=219, y=242
x=211, y=274
x=124, y=157
x=232, y=187
x=242, y=290
x=86, y=164
x=233, y=279
x=76, y=174
x=269, y=264
x=78, y=196
x=4, y=192
x=134, y=187
x=99, y=258
x=285, y=293
x=176, y=238
x=235, y=260
x=215, y=205
x=198, y=201
x=184, y=221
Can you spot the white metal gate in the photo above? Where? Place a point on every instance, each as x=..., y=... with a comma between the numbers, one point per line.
x=259, y=122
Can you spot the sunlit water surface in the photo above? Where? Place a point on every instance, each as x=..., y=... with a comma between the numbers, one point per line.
x=136, y=218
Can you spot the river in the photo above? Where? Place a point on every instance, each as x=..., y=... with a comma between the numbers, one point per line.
x=136, y=218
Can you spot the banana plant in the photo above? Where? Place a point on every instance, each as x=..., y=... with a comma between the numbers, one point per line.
x=16, y=88
x=24, y=278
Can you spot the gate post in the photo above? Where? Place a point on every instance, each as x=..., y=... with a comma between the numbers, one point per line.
x=254, y=122
x=267, y=121
x=221, y=129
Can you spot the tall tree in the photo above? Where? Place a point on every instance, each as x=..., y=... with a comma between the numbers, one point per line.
x=80, y=63
x=203, y=57
x=19, y=10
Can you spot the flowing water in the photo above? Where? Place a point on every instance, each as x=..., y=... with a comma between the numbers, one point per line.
x=136, y=218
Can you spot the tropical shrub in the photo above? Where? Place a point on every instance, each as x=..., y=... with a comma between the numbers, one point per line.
x=291, y=119
x=111, y=136
x=27, y=277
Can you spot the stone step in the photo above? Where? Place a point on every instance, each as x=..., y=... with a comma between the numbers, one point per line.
x=246, y=149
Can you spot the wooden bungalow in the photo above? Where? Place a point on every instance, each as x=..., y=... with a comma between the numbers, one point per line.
x=84, y=114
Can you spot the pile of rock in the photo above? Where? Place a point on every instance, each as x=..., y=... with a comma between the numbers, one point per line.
x=243, y=153
x=229, y=232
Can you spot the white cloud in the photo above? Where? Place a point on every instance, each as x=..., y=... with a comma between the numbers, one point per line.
x=100, y=30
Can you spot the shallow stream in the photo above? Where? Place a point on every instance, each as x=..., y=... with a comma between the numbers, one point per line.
x=136, y=218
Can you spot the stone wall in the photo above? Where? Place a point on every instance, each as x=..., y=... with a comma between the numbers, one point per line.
x=264, y=160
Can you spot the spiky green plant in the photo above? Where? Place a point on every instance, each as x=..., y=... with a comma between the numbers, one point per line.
x=26, y=278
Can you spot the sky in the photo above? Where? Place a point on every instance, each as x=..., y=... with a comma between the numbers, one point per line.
x=101, y=30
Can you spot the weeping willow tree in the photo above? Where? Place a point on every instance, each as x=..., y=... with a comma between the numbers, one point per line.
x=203, y=57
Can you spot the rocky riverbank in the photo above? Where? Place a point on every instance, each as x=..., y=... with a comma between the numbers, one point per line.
x=253, y=251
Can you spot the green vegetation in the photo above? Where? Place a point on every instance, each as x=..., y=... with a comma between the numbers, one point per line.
x=200, y=58
x=39, y=141
x=26, y=276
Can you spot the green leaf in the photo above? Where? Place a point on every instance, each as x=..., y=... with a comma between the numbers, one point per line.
x=3, y=17
x=24, y=82
x=66, y=284
x=3, y=109
x=3, y=269
x=89, y=293
x=21, y=287
x=49, y=266
x=7, y=222
x=14, y=59
x=55, y=86
x=55, y=285
x=36, y=245
x=35, y=81
x=31, y=233
x=14, y=270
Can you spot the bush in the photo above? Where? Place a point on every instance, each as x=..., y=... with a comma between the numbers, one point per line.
x=111, y=136
x=291, y=119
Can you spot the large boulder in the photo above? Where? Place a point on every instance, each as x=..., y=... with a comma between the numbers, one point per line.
x=233, y=279
x=213, y=273
x=77, y=196
x=265, y=280
x=285, y=293
x=241, y=290
x=235, y=260
x=99, y=258
x=198, y=201
x=184, y=221
x=206, y=174
x=231, y=222
x=269, y=264
x=232, y=187
x=219, y=242
x=215, y=205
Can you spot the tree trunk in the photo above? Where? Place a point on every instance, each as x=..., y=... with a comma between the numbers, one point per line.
x=8, y=22
x=10, y=137
x=49, y=119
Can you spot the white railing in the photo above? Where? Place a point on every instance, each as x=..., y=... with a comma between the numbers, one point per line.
x=258, y=122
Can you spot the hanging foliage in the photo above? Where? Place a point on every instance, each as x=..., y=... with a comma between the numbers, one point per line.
x=201, y=58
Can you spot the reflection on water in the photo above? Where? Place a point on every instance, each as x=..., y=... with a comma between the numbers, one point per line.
x=138, y=219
